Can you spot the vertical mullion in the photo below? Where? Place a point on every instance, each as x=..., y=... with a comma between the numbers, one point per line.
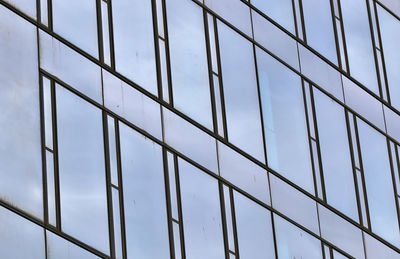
x=223, y=216
x=50, y=14
x=156, y=48
x=99, y=31
x=167, y=54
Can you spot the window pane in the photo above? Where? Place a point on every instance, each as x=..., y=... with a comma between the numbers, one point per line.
x=20, y=149
x=335, y=155
x=189, y=68
x=280, y=11
x=359, y=44
x=76, y=21
x=254, y=229
x=319, y=27
x=240, y=92
x=284, y=121
x=20, y=238
x=292, y=242
x=26, y=6
x=389, y=24
x=144, y=196
x=378, y=182
x=201, y=213
x=60, y=248
x=375, y=249
x=134, y=42
x=81, y=169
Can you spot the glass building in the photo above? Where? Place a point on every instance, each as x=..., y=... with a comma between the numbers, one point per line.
x=199, y=129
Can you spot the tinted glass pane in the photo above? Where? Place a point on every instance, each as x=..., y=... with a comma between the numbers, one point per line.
x=389, y=24
x=240, y=92
x=319, y=27
x=144, y=196
x=20, y=148
x=81, y=169
x=377, y=250
x=201, y=213
x=279, y=10
x=292, y=242
x=378, y=182
x=76, y=21
x=335, y=155
x=284, y=121
x=134, y=42
x=254, y=229
x=359, y=44
x=26, y=6
x=189, y=69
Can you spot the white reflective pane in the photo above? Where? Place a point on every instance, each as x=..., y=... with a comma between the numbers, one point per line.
x=377, y=250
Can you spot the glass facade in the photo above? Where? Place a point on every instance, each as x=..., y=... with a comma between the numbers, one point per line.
x=199, y=129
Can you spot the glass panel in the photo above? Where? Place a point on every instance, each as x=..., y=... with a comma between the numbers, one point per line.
x=47, y=112
x=82, y=170
x=201, y=213
x=106, y=33
x=379, y=184
x=340, y=232
x=292, y=242
x=51, y=189
x=240, y=92
x=132, y=105
x=294, y=204
x=243, y=173
x=389, y=24
x=112, y=149
x=377, y=250
x=26, y=6
x=117, y=223
x=335, y=155
x=76, y=21
x=20, y=149
x=60, y=248
x=190, y=140
x=189, y=68
x=359, y=44
x=172, y=186
x=234, y=11
x=393, y=6
x=20, y=238
x=177, y=241
x=69, y=66
x=134, y=42
x=319, y=27
x=285, y=126
x=254, y=229
x=228, y=218
x=279, y=10
x=163, y=70
x=275, y=40
x=337, y=255
x=144, y=196
x=44, y=14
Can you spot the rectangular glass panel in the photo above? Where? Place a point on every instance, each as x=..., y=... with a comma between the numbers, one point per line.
x=47, y=111
x=51, y=189
x=116, y=223
x=134, y=42
x=44, y=16
x=317, y=171
x=392, y=122
x=69, y=66
x=20, y=149
x=292, y=242
x=112, y=150
x=218, y=106
x=379, y=184
x=240, y=92
x=172, y=186
x=177, y=240
x=106, y=33
x=319, y=27
x=76, y=21
x=144, y=196
x=377, y=250
x=82, y=174
x=254, y=229
x=26, y=6
x=335, y=155
x=164, y=72
x=353, y=139
x=211, y=36
x=20, y=238
x=188, y=57
x=160, y=18
x=361, y=194
x=201, y=213
x=360, y=51
x=285, y=126
x=228, y=218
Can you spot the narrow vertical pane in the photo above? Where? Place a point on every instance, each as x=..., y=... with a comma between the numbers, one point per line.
x=218, y=105
x=106, y=32
x=292, y=242
x=335, y=155
x=211, y=35
x=201, y=213
x=76, y=21
x=144, y=196
x=228, y=218
x=317, y=171
x=134, y=42
x=82, y=170
x=48, y=113
x=51, y=189
x=240, y=92
x=189, y=68
x=160, y=18
x=177, y=241
x=361, y=194
x=44, y=16
x=360, y=51
x=319, y=27
x=20, y=149
x=285, y=124
x=388, y=24
x=164, y=71
x=112, y=150
x=254, y=229
x=279, y=10
x=379, y=184
x=172, y=186
x=116, y=223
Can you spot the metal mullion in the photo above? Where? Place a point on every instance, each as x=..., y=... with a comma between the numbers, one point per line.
x=100, y=44
x=303, y=24
x=274, y=234
x=179, y=205
x=49, y=14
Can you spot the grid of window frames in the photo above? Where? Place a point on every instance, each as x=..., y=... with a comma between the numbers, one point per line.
x=199, y=129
